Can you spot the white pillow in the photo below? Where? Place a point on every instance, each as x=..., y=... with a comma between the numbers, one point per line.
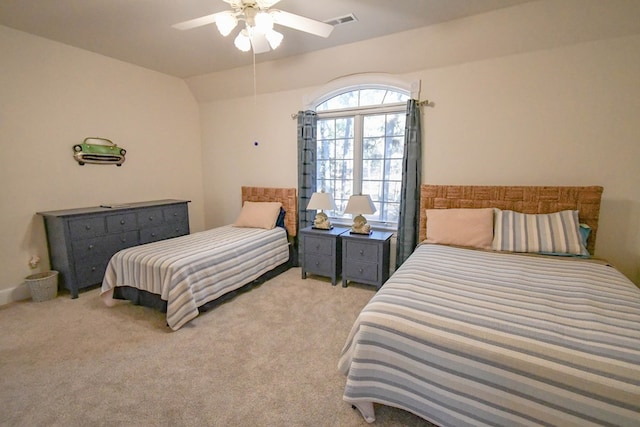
x=461, y=227
x=258, y=215
x=556, y=232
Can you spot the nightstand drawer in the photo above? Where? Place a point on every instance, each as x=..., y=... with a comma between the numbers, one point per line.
x=357, y=251
x=318, y=245
x=361, y=271
x=322, y=266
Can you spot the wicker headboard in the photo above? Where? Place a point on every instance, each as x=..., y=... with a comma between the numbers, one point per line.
x=523, y=199
x=286, y=196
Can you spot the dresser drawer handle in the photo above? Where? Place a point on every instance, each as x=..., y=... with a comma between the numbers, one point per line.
x=175, y=214
x=361, y=252
x=317, y=263
x=93, y=269
x=150, y=218
x=88, y=227
x=153, y=234
x=317, y=247
x=123, y=239
x=360, y=270
x=122, y=221
x=90, y=247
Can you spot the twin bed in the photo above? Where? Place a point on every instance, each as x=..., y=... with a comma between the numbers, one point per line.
x=459, y=335
x=472, y=336
x=186, y=274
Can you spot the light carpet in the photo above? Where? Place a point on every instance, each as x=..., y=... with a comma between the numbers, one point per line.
x=267, y=357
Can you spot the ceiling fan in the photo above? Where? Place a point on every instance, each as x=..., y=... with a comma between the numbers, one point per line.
x=259, y=18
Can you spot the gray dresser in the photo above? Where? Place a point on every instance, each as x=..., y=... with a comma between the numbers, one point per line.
x=365, y=258
x=82, y=241
x=321, y=252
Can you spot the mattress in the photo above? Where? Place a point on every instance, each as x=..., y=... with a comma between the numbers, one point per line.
x=464, y=337
x=190, y=271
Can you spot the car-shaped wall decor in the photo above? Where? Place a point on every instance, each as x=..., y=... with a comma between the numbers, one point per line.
x=99, y=151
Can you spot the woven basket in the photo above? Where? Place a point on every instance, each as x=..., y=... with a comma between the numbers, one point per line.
x=43, y=286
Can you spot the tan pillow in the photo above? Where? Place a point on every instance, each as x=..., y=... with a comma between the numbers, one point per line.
x=258, y=215
x=462, y=227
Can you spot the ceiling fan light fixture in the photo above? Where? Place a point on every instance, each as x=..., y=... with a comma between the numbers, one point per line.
x=263, y=22
x=243, y=41
x=274, y=38
x=226, y=22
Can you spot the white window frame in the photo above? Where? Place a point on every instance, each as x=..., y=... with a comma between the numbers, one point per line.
x=360, y=82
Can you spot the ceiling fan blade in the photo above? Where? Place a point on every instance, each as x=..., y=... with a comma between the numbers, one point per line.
x=301, y=23
x=266, y=4
x=197, y=22
x=259, y=43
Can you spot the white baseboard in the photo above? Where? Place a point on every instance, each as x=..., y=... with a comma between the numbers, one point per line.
x=18, y=293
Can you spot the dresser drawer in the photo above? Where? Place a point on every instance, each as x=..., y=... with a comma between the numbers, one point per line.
x=122, y=222
x=357, y=251
x=150, y=218
x=86, y=227
x=323, y=266
x=90, y=272
x=173, y=214
x=167, y=231
x=361, y=271
x=318, y=245
x=103, y=246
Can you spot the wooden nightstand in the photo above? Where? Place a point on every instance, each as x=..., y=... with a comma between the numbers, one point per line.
x=365, y=258
x=321, y=252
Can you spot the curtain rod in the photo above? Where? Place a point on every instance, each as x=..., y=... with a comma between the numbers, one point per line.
x=425, y=103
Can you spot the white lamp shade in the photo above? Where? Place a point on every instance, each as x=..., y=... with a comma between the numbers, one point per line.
x=274, y=38
x=226, y=22
x=323, y=201
x=360, y=204
x=243, y=42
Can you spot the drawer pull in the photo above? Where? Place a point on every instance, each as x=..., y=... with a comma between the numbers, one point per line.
x=153, y=234
x=361, y=252
x=317, y=247
x=90, y=247
x=88, y=227
x=360, y=270
x=123, y=240
x=317, y=263
x=93, y=269
x=150, y=218
x=175, y=214
x=122, y=221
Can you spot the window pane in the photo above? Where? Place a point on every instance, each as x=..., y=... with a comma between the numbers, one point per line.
x=395, y=124
x=371, y=96
x=326, y=129
x=394, y=170
x=344, y=127
x=374, y=125
x=372, y=170
x=392, y=97
x=395, y=148
x=373, y=148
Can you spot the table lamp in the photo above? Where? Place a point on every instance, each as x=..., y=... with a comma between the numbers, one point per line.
x=321, y=201
x=360, y=204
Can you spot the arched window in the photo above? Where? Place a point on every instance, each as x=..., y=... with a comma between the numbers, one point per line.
x=360, y=147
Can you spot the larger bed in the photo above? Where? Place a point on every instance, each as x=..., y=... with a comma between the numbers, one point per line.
x=469, y=337
x=185, y=274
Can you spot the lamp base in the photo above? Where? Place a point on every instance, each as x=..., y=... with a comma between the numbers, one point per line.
x=366, y=233
x=360, y=225
x=321, y=222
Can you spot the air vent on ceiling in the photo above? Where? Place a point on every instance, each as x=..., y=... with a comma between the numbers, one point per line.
x=341, y=20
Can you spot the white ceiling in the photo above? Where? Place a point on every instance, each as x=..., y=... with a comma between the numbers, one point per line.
x=140, y=32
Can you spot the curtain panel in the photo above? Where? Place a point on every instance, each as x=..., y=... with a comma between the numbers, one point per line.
x=307, y=145
x=408, y=222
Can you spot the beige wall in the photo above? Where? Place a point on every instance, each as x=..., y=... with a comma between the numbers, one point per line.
x=52, y=96
x=554, y=104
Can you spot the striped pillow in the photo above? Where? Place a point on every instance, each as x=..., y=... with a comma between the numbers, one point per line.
x=553, y=233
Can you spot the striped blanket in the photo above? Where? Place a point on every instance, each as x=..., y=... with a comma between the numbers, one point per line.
x=472, y=338
x=191, y=270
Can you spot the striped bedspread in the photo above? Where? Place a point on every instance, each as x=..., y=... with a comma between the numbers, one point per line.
x=472, y=338
x=191, y=270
